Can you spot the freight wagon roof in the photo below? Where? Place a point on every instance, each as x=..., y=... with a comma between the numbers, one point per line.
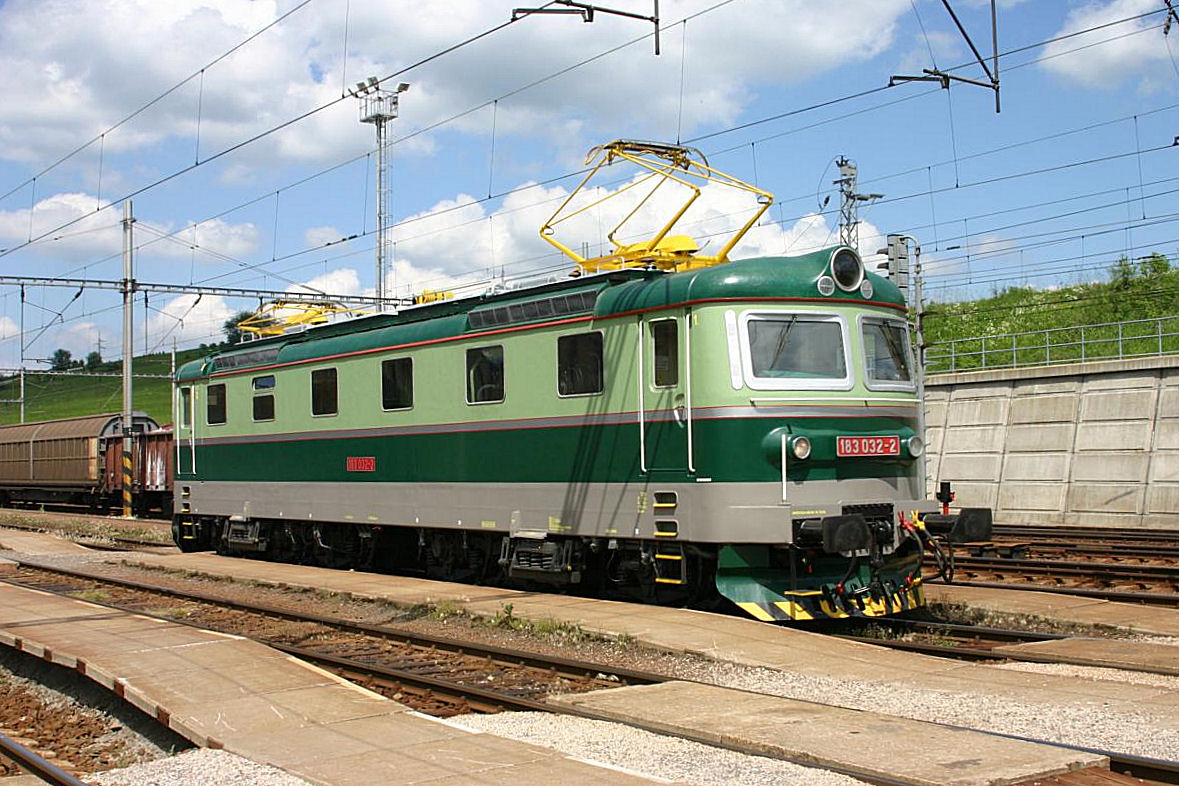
x=106, y=425
x=604, y=296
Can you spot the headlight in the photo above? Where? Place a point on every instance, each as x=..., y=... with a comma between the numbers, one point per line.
x=867, y=290
x=916, y=446
x=801, y=447
x=847, y=269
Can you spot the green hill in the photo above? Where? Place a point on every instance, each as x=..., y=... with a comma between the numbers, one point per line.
x=51, y=396
x=1144, y=290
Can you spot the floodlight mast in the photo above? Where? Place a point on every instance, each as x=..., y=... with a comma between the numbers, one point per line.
x=379, y=106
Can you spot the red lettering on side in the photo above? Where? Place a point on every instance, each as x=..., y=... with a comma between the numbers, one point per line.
x=362, y=464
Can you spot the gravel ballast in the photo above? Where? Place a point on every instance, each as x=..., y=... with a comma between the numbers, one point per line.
x=201, y=767
x=650, y=754
x=1164, y=681
x=1091, y=724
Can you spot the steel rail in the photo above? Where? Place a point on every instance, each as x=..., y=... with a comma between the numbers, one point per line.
x=36, y=765
x=1111, y=550
x=987, y=640
x=1086, y=533
x=1168, y=599
x=388, y=632
x=1101, y=570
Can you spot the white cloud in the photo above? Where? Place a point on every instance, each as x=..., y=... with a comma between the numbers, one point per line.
x=342, y=281
x=96, y=234
x=188, y=319
x=322, y=235
x=1114, y=61
x=67, y=69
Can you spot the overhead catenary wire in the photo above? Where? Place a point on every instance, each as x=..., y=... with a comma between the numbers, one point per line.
x=267, y=132
x=575, y=173
x=143, y=108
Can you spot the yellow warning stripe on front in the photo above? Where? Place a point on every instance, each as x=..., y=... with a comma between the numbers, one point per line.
x=757, y=611
x=793, y=610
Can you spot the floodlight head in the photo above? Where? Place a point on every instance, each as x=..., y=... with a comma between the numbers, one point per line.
x=361, y=87
x=401, y=88
x=372, y=81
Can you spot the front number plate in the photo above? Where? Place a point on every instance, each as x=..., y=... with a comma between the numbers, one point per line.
x=868, y=446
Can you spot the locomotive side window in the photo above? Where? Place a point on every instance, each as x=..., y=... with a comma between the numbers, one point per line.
x=185, y=407
x=263, y=399
x=397, y=383
x=323, y=392
x=886, y=352
x=801, y=350
x=579, y=364
x=215, y=412
x=485, y=375
x=665, y=334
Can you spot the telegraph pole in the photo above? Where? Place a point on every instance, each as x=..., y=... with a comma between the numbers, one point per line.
x=128, y=351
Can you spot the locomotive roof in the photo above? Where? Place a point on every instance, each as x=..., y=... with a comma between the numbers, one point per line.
x=604, y=296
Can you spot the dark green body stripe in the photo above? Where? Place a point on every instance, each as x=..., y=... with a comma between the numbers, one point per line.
x=727, y=450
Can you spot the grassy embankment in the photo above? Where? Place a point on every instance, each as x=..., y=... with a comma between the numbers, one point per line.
x=48, y=397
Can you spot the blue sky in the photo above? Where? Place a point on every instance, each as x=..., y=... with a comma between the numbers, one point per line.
x=1077, y=170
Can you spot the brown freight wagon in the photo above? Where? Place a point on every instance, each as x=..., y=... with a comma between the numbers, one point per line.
x=78, y=461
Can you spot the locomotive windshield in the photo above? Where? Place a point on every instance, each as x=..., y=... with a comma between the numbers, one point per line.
x=797, y=346
x=886, y=350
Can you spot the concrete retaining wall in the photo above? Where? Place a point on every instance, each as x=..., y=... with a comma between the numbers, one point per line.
x=1087, y=443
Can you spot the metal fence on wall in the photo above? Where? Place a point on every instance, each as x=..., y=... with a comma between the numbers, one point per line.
x=1106, y=341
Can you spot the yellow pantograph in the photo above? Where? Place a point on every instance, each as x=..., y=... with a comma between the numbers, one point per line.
x=283, y=316
x=685, y=167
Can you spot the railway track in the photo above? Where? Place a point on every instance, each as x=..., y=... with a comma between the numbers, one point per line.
x=947, y=639
x=430, y=673
x=1153, y=584
x=111, y=540
x=414, y=675
x=1085, y=534
x=31, y=762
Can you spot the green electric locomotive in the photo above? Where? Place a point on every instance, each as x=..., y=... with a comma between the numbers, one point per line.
x=665, y=424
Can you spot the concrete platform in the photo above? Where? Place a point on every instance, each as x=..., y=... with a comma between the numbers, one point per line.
x=1139, y=618
x=733, y=639
x=224, y=691
x=1111, y=653
x=27, y=542
x=861, y=743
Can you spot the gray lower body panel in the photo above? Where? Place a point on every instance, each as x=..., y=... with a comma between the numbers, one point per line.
x=703, y=512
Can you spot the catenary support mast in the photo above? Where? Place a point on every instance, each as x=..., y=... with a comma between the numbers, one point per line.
x=128, y=351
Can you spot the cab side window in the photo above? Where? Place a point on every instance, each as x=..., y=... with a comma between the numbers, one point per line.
x=665, y=335
x=216, y=412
